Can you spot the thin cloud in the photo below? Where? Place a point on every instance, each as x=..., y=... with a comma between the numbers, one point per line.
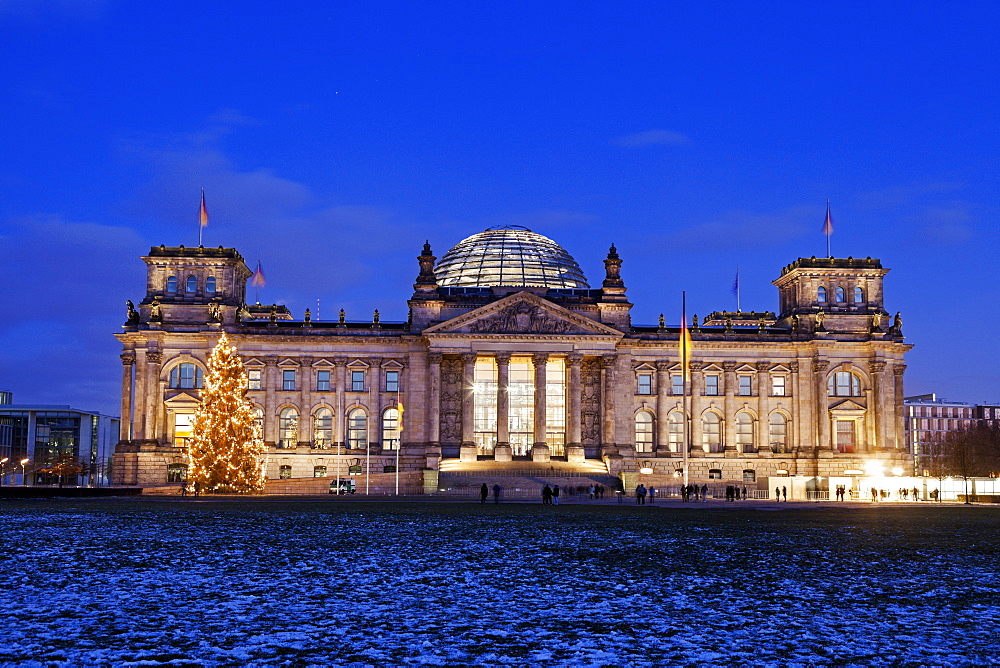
x=652, y=138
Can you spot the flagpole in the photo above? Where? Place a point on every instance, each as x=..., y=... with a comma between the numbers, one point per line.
x=684, y=385
x=828, y=228
x=738, y=310
x=202, y=218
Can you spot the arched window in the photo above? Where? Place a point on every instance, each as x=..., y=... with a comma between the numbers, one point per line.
x=840, y=295
x=859, y=296
x=288, y=428
x=390, y=429
x=821, y=294
x=744, y=433
x=192, y=285
x=643, y=431
x=357, y=429
x=844, y=384
x=323, y=428
x=777, y=432
x=210, y=285
x=675, y=431
x=186, y=376
x=172, y=285
x=711, y=434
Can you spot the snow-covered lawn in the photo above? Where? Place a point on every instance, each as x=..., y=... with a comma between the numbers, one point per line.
x=201, y=582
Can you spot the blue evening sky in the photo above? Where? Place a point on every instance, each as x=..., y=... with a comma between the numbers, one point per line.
x=333, y=138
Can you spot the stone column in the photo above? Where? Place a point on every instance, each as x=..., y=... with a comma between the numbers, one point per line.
x=468, y=398
x=695, y=405
x=153, y=359
x=340, y=387
x=434, y=398
x=125, y=426
x=575, y=435
x=874, y=416
x=608, y=363
x=540, y=360
x=763, y=404
x=729, y=417
x=897, y=409
x=374, y=405
x=503, y=399
x=800, y=414
x=270, y=387
x=305, y=392
x=823, y=442
x=663, y=384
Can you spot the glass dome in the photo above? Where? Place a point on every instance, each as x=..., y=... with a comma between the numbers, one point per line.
x=510, y=255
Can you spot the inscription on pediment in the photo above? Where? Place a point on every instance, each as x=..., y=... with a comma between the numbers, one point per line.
x=522, y=318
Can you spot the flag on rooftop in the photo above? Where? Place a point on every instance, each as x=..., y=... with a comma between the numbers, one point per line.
x=258, y=277
x=828, y=223
x=203, y=212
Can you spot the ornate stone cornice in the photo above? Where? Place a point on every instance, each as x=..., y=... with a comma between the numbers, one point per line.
x=502, y=358
x=730, y=365
x=696, y=366
x=898, y=369
x=271, y=360
x=540, y=359
x=820, y=365
x=876, y=366
x=340, y=361
x=469, y=358
x=374, y=362
x=434, y=358
x=154, y=357
x=763, y=367
x=609, y=361
x=128, y=359
x=663, y=366
x=793, y=366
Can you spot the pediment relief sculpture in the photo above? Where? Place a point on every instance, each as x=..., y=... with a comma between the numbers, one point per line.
x=522, y=318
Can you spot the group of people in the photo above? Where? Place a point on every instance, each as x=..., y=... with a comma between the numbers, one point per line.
x=550, y=495
x=780, y=492
x=484, y=493
x=734, y=493
x=641, y=492
x=692, y=492
x=902, y=494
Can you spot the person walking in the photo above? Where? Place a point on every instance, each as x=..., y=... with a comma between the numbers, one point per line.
x=777, y=494
x=704, y=493
x=652, y=494
x=546, y=495
x=784, y=493
x=497, y=489
x=484, y=492
x=555, y=495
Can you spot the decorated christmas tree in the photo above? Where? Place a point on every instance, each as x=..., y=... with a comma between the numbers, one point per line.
x=226, y=448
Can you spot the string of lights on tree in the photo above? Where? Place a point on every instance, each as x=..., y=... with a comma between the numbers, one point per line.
x=226, y=447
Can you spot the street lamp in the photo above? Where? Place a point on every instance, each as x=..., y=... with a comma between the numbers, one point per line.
x=23, y=462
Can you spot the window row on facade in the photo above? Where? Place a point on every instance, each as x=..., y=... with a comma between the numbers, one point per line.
x=190, y=285
x=188, y=375
x=840, y=384
x=839, y=295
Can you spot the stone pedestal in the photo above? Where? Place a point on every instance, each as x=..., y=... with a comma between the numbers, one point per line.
x=468, y=453
x=575, y=454
x=540, y=453
x=502, y=453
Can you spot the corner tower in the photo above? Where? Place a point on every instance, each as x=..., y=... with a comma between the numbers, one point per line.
x=835, y=294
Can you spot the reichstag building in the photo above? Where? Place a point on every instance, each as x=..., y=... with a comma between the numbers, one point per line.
x=509, y=354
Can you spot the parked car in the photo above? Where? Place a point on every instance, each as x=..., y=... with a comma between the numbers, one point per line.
x=346, y=486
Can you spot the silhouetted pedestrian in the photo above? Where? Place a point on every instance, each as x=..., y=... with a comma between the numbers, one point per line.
x=784, y=493
x=484, y=492
x=555, y=495
x=497, y=489
x=546, y=495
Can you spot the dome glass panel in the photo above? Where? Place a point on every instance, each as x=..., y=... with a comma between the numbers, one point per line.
x=510, y=256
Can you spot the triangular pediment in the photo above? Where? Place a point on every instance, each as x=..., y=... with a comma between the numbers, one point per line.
x=523, y=314
x=846, y=406
x=181, y=401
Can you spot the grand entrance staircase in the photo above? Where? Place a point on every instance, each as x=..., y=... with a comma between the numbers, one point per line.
x=523, y=479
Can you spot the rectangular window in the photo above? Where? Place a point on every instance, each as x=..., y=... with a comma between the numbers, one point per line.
x=555, y=407
x=484, y=405
x=253, y=379
x=288, y=379
x=521, y=405
x=323, y=381
x=745, y=386
x=319, y=471
x=357, y=381
x=845, y=435
x=392, y=381
x=677, y=384
x=645, y=383
x=712, y=386
x=777, y=386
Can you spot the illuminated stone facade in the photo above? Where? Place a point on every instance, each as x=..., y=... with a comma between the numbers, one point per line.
x=497, y=373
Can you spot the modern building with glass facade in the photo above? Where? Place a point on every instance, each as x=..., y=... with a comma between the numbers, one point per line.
x=43, y=434
x=508, y=354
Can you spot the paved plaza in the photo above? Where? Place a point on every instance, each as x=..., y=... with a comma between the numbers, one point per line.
x=319, y=582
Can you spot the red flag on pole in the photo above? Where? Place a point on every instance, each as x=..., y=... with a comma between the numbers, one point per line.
x=203, y=212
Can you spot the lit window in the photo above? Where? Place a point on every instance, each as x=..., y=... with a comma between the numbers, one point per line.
x=210, y=285
x=288, y=379
x=643, y=431
x=749, y=475
x=715, y=474
x=777, y=386
x=744, y=433
x=253, y=379
x=859, y=296
x=390, y=429
x=821, y=294
x=172, y=285
x=186, y=376
x=677, y=384
x=284, y=472
x=744, y=389
x=392, y=381
x=323, y=428
x=258, y=418
x=357, y=381
x=176, y=472
x=777, y=430
x=845, y=435
x=183, y=426
x=711, y=435
x=288, y=428
x=675, y=431
x=712, y=386
x=323, y=381
x=319, y=471
x=844, y=384
x=840, y=295
x=192, y=285
x=645, y=383
x=357, y=429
